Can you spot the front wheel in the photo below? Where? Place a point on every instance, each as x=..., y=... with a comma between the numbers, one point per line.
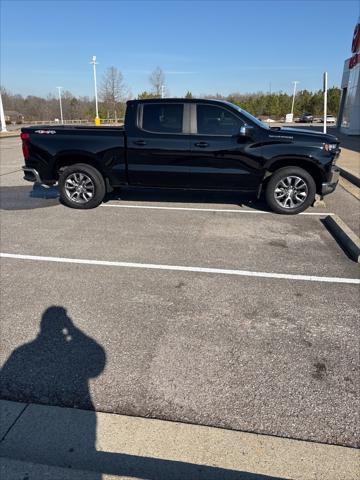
x=290, y=190
x=81, y=186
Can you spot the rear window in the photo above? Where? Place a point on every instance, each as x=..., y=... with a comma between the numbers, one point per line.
x=163, y=118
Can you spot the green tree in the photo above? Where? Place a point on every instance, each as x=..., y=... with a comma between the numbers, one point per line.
x=144, y=95
x=317, y=103
x=334, y=95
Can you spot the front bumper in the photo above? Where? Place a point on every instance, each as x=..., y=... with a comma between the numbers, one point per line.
x=329, y=187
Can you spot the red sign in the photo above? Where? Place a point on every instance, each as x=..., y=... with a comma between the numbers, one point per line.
x=356, y=39
x=354, y=60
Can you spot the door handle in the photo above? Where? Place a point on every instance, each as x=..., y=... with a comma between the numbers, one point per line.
x=201, y=144
x=140, y=142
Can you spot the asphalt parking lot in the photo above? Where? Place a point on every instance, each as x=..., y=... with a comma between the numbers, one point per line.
x=192, y=307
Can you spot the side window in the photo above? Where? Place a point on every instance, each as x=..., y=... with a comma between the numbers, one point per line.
x=213, y=120
x=163, y=118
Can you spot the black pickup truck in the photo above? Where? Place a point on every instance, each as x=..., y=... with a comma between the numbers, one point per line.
x=187, y=144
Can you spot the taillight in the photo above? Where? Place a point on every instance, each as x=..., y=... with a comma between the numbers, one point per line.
x=25, y=144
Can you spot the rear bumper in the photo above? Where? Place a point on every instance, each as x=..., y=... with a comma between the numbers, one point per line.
x=31, y=175
x=329, y=187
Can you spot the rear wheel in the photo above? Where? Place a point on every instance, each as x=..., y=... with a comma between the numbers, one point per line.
x=81, y=186
x=290, y=190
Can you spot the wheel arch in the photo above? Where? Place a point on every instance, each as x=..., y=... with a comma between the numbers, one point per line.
x=312, y=168
x=72, y=158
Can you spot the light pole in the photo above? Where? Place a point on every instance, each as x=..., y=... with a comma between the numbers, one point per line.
x=325, y=99
x=61, y=111
x=295, y=82
x=94, y=63
x=2, y=116
x=162, y=91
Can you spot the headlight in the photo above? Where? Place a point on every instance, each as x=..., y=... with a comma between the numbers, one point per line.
x=329, y=147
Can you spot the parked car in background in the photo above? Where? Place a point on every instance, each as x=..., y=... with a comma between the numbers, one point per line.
x=329, y=119
x=306, y=118
x=187, y=144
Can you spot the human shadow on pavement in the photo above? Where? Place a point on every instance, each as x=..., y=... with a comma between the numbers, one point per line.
x=55, y=369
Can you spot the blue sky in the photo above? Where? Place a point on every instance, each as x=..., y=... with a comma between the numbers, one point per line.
x=203, y=46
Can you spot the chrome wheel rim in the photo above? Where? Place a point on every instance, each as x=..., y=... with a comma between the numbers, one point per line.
x=79, y=187
x=291, y=192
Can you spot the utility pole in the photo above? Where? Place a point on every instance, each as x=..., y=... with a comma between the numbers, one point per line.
x=325, y=99
x=2, y=116
x=94, y=63
x=295, y=82
x=61, y=110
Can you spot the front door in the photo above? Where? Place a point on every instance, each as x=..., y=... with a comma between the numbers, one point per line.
x=158, y=148
x=220, y=157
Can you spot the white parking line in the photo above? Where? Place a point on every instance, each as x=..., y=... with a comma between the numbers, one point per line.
x=221, y=271
x=151, y=207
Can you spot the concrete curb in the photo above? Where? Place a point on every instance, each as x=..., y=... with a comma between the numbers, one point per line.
x=350, y=176
x=58, y=440
x=10, y=134
x=350, y=187
x=347, y=239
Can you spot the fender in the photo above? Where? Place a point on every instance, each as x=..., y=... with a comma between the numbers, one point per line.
x=298, y=160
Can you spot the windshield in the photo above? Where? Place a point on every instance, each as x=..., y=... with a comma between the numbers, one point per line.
x=249, y=116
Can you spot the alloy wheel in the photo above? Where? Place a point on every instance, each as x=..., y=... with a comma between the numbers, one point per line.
x=291, y=192
x=79, y=187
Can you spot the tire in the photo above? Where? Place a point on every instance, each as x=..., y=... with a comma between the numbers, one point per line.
x=81, y=186
x=290, y=190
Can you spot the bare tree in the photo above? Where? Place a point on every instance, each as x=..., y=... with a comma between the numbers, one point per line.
x=113, y=90
x=157, y=80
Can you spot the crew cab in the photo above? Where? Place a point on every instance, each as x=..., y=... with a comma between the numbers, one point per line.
x=187, y=144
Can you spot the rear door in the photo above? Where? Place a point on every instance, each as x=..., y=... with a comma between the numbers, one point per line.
x=220, y=157
x=158, y=148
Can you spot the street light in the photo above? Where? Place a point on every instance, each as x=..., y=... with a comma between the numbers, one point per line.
x=94, y=63
x=61, y=111
x=295, y=82
x=325, y=88
x=2, y=116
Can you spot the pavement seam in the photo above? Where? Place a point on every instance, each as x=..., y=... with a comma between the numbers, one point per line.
x=14, y=422
x=9, y=173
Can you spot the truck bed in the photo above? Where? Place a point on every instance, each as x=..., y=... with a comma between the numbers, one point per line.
x=51, y=147
x=72, y=128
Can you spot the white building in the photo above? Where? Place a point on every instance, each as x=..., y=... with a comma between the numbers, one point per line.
x=349, y=112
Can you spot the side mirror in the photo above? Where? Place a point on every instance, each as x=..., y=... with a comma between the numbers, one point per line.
x=246, y=131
